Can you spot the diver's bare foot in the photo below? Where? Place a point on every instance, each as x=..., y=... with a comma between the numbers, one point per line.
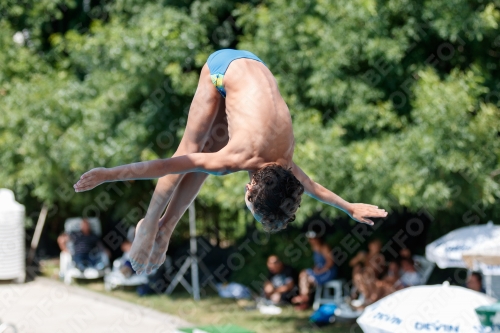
x=141, y=248
x=160, y=247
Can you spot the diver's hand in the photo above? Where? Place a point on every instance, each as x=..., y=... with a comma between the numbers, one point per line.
x=91, y=179
x=360, y=212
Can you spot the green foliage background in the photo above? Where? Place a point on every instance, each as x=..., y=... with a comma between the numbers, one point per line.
x=394, y=102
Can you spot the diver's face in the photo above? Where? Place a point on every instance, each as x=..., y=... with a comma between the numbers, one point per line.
x=249, y=204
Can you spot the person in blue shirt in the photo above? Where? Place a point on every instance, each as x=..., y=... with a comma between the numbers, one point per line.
x=323, y=271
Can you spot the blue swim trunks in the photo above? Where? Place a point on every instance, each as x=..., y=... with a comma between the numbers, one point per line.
x=219, y=61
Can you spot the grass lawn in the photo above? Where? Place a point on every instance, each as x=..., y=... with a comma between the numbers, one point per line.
x=212, y=310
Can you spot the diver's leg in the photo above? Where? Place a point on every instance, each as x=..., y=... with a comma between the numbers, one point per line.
x=202, y=113
x=186, y=192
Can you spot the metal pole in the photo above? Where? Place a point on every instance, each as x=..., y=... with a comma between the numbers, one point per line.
x=194, y=262
x=38, y=232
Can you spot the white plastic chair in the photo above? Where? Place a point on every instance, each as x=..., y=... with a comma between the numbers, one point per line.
x=115, y=279
x=67, y=271
x=329, y=292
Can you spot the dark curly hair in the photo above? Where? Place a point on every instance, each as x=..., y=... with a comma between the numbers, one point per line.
x=276, y=194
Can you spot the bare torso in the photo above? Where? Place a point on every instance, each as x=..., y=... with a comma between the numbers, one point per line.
x=259, y=122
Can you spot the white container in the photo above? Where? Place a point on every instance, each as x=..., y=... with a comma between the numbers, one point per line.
x=12, y=246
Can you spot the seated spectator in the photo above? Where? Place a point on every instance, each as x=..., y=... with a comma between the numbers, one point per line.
x=367, y=292
x=409, y=276
x=62, y=241
x=389, y=283
x=86, y=247
x=393, y=273
x=398, y=276
x=405, y=253
x=372, y=261
x=280, y=284
x=367, y=270
x=323, y=271
x=475, y=282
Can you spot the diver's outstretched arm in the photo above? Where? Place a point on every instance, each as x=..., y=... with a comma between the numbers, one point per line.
x=357, y=211
x=219, y=163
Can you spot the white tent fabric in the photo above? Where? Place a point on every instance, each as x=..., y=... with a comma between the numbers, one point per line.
x=437, y=308
x=447, y=251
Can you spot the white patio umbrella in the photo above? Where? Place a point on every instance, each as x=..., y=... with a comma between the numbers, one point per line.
x=484, y=257
x=447, y=251
x=437, y=308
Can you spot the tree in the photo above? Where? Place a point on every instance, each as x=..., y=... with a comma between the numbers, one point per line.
x=397, y=99
x=394, y=102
